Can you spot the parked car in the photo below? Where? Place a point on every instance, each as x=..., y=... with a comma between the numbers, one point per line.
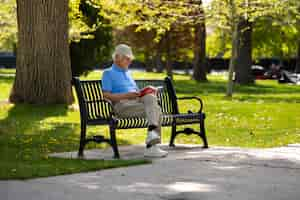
x=7, y=60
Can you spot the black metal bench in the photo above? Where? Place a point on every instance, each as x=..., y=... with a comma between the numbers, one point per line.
x=95, y=110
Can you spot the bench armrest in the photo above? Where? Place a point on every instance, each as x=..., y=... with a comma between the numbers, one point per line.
x=196, y=98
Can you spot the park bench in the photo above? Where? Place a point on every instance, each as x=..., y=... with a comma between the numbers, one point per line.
x=95, y=110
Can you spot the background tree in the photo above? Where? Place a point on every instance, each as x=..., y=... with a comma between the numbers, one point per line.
x=235, y=16
x=234, y=47
x=154, y=16
x=175, y=44
x=141, y=42
x=239, y=16
x=200, y=67
x=297, y=11
x=243, y=72
x=227, y=16
x=43, y=73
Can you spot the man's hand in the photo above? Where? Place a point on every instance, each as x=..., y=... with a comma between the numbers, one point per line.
x=132, y=95
x=148, y=90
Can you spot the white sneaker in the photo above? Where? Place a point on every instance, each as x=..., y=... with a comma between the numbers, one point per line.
x=152, y=138
x=155, y=152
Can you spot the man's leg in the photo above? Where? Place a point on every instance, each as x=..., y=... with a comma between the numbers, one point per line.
x=145, y=107
x=152, y=110
x=153, y=114
x=130, y=108
x=137, y=108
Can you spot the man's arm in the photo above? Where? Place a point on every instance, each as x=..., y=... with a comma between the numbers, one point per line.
x=118, y=97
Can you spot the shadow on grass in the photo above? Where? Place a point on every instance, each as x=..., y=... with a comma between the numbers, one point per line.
x=24, y=128
x=23, y=117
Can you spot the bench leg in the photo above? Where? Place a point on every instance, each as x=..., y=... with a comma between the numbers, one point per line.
x=173, y=135
x=113, y=141
x=82, y=140
x=203, y=134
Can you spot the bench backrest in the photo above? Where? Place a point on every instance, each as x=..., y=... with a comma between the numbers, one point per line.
x=93, y=107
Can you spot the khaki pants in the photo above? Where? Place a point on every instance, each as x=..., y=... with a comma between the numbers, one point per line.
x=145, y=107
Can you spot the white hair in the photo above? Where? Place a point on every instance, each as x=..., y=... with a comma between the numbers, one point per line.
x=122, y=50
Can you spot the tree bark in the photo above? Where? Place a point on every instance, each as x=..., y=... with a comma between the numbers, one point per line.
x=200, y=51
x=43, y=73
x=243, y=72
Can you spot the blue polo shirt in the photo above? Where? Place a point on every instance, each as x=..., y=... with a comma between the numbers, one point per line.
x=118, y=80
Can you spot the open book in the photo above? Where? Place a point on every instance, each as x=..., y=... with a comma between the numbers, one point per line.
x=148, y=90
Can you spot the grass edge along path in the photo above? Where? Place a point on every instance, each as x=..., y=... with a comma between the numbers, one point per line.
x=59, y=166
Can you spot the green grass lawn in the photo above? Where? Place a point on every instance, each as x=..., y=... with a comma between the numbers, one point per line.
x=262, y=115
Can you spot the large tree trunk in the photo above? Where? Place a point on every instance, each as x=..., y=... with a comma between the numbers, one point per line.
x=200, y=50
x=243, y=73
x=43, y=73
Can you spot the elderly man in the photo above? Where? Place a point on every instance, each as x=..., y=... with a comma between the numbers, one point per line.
x=119, y=87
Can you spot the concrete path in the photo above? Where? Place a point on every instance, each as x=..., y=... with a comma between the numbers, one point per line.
x=188, y=173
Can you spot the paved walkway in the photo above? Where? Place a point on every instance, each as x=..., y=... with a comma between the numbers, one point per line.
x=188, y=173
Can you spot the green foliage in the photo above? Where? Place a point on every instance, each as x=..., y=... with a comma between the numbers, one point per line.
x=158, y=29
x=92, y=46
x=261, y=115
x=181, y=42
x=277, y=30
x=77, y=22
x=268, y=40
x=275, y=27
x=154, y=15
x=271, y=40
x=218, y=44
x=8, y=25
